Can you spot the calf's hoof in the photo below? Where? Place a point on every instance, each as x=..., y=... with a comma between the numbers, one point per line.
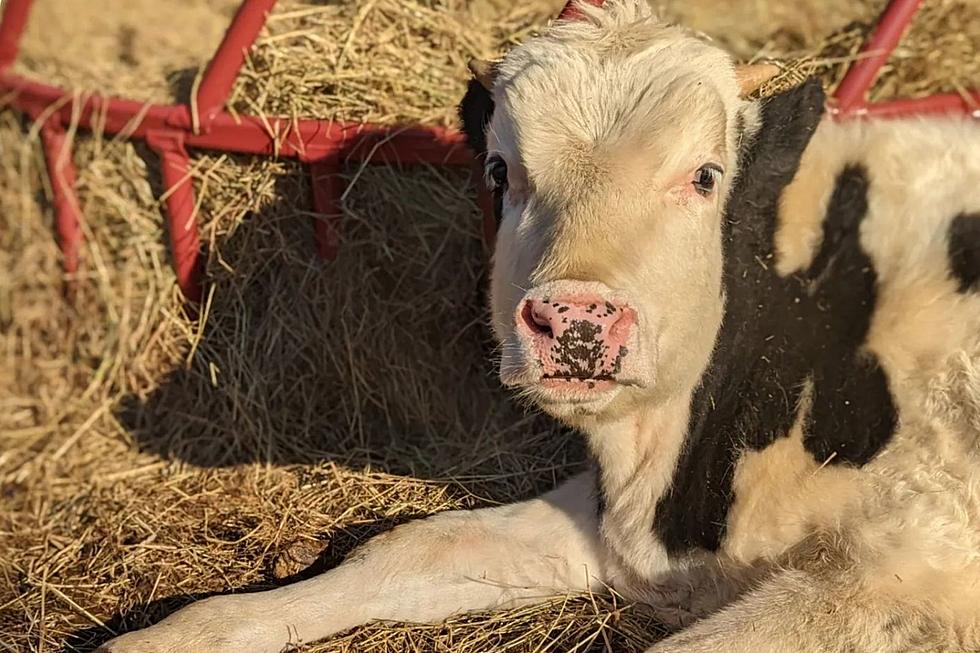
x=221, y=624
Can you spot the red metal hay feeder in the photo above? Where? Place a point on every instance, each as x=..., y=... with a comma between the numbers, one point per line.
x=325, y=145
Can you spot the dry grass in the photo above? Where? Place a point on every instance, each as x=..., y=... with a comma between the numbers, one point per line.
x=357, y=60
x=148, y=456
x=939, y=54
x=142, y=49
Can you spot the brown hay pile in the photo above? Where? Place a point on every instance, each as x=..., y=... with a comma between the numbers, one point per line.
x=141, y=49
x=147, y=456
x=941, y=53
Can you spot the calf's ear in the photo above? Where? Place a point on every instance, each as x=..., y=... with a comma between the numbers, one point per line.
x=751, y=77
x=476, y=108
x=483, y=71
x=773, y=146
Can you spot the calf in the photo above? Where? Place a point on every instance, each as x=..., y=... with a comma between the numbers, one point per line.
x=765, y=324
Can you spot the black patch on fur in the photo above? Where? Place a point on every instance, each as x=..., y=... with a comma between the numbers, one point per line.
x=964, y=251
x=778, y=333
x=475, y=111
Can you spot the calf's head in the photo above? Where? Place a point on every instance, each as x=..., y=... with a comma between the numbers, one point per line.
x=611, y=144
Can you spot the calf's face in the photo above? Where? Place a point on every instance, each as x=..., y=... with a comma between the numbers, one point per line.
x=610, y=145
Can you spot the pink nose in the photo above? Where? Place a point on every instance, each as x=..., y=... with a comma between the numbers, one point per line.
x=581, y=336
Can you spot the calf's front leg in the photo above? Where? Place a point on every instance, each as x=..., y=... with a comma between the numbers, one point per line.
x=423, y=571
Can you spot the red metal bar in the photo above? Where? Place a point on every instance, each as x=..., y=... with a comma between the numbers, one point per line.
x=15, y=13
x=934, y=104
x=184, y=242
x=328, y=189
x=307, y=140
x=386, y=144
x=68, y=214
x=222, y=70
x=891, y=26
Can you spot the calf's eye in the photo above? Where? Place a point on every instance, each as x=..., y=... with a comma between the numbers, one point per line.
x=706, y=177
x=496, y=172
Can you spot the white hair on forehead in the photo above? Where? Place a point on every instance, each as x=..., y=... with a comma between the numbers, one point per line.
x=623, y=32
x=617, y=73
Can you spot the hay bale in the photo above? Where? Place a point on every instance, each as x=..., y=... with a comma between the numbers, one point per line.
x=938, y=55
x=142, y=49
x=380, y=60
x=148, y=456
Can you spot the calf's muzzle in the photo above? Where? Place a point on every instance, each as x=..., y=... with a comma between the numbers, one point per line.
x=576, y=334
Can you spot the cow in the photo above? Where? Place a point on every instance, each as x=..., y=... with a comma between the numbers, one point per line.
x=766, y=326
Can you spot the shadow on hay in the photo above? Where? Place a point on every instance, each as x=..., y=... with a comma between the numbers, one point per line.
x=147, y=614
x=380, y=359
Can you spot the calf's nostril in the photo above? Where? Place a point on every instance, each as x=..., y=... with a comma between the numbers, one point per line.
x=534, y=321
x=620, y=328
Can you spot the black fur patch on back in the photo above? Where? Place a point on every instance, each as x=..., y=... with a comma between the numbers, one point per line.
x=964, y=251
x=778, y=333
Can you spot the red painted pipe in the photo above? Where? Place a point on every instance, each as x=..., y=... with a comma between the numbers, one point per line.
x=185, y=245
x=222, y=70
x=328, y=189
x=933, y=104
x=307, y=140
x=68, y=214
x=15, y=13
x=572, y=12
x=861, y=75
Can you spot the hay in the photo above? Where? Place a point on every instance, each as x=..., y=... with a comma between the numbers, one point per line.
x=142, y=49
x=775, y=29
x=938, y=55
x=147, y=456
x=379, y=60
